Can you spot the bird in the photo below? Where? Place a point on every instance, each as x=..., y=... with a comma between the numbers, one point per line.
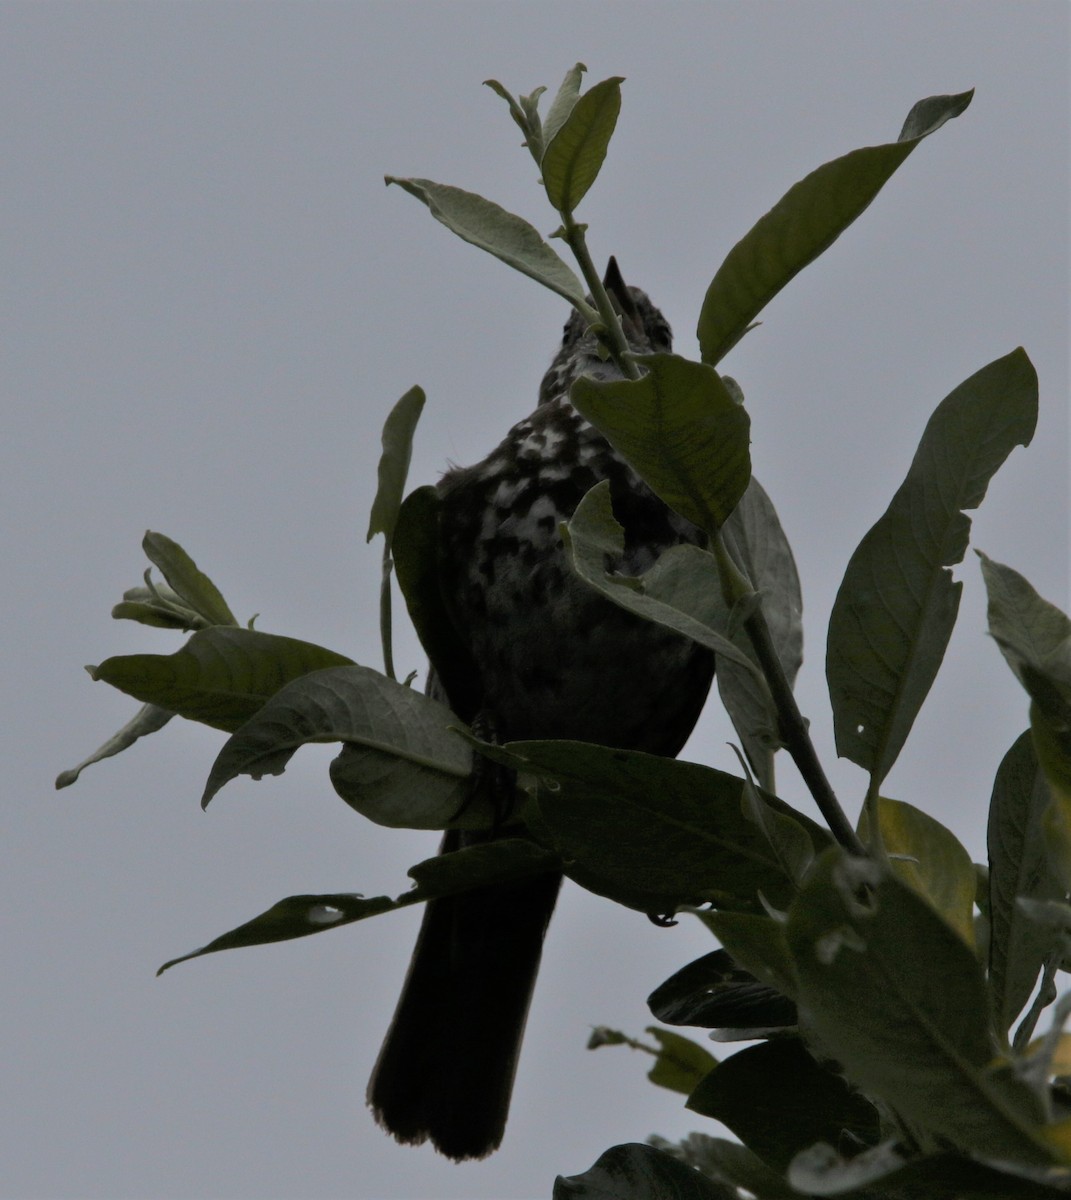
x=546, y=657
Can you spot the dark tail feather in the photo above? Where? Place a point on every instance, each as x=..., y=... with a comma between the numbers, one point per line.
x=446, y=1069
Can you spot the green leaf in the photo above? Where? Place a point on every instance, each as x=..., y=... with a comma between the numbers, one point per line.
x=885, y=1171
x=680, y=429
x=787, y=839
x=681, y=1063
x=181, y=572
x=1018, y=866
x=416, y=549
x=892, y=993
x=651, y=832
x=530, y=108
x=402, y=765
x=294, y=917
x=148, y=719
x=806, y=221
x=1033, y=635
x=398, y=432
x=635, y=1172
x=729, y=1165
x=575, y=153
x=562, y=104
x=758, y=944
x=484, y=864
x=779, y=1101
x=930, y=860
x=158, y=607
x=1052, y=742
x=897, y=604
x=516, y=112
x=221, y=676
x=681, y=591
x=928, y=115
x=1035, y=638
x=503, y=234
x=715, y=992
x=761, y=547
x=767, y=557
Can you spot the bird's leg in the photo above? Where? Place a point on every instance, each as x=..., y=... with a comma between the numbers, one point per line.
x=494, y=780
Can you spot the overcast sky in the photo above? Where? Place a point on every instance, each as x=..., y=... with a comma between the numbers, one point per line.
x=211, y=301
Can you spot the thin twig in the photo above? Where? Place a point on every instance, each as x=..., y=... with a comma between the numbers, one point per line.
x=385, y=630
x=791, y=725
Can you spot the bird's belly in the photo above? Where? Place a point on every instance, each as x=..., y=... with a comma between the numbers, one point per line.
x=557, y=660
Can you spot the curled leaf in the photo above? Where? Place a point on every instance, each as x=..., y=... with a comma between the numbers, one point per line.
x=402, y=764
x=148, y=719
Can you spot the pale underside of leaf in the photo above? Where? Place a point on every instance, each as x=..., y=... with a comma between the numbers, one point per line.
x=492, y=228
x=402, y=763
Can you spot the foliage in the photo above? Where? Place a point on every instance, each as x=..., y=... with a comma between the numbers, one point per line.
x=878, y=973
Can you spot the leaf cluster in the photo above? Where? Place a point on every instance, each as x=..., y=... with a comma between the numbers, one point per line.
x=891, y=989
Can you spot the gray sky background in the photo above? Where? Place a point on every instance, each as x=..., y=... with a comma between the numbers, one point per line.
x=211, y=301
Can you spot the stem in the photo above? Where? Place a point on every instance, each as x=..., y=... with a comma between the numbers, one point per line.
x=794, y=734
x=614, y=338
x=1046, y=994
x=792, y=726
x=384, y=611
x=872, y=808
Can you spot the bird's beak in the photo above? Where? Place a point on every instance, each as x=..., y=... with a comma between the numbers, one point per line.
x=615, y=285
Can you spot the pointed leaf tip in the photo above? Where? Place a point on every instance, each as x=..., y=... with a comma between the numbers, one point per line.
x=803, y=224
x=927, y=116
x=293, y=917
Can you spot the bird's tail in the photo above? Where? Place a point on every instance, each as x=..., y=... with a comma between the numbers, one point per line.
x=445, y=1072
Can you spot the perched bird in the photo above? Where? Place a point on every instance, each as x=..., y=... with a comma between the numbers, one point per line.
x=550, y=658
